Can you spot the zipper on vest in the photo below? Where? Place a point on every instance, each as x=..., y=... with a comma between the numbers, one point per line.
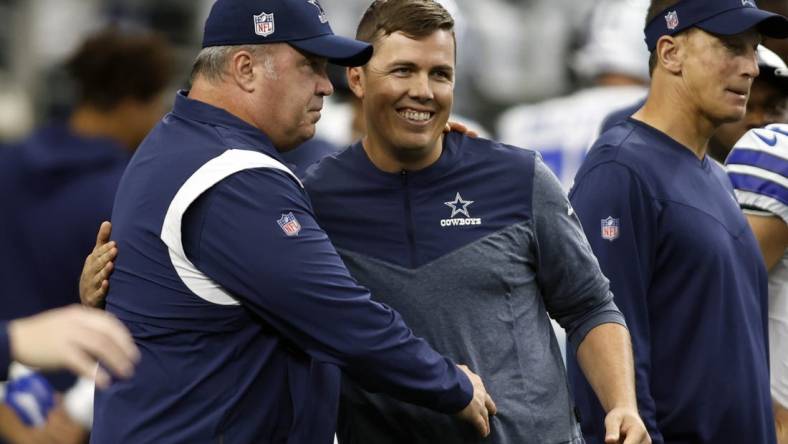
x=408, y=219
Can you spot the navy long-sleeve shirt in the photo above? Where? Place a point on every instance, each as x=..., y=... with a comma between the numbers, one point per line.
x=5, y=351
x=243, y=311
x=686, y=272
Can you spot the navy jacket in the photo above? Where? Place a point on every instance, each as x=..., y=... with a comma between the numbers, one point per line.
x=243, y=311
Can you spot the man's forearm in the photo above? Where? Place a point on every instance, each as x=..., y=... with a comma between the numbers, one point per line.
x=605, y=356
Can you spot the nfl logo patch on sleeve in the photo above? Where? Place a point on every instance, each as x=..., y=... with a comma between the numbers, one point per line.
x=289, y=224
x=610, y=228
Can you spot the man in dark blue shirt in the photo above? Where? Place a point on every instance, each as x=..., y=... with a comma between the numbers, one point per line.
x=662, y=219
x=244, y=314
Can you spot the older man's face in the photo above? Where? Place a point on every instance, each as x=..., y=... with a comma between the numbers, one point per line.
x=293, y=85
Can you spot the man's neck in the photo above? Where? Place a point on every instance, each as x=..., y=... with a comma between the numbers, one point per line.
x=89, y=121
x=207, y=92
x=667, y=111
x=391, y=159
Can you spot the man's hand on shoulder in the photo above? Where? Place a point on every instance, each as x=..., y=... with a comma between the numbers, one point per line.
x=624, y=426
x=94, y=281
x=478, y=411
x=460, y=128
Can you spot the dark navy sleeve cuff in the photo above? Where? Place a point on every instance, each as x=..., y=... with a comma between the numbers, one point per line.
x=5, y=351
x=455, y=400
x=605, y=314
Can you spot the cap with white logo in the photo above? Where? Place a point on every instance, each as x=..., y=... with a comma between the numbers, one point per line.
x=301, y=23
x=722, y=17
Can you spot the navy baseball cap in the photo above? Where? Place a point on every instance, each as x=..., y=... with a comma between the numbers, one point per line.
x=301, y=23
x=721, y=17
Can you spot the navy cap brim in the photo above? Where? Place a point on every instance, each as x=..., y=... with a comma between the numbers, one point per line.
x=738, y=20
x=337, y=49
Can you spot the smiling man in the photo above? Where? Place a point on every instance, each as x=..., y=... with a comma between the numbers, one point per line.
x=661, y=217
x=473, y=242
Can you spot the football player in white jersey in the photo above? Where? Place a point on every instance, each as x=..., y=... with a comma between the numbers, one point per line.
x=758, y=168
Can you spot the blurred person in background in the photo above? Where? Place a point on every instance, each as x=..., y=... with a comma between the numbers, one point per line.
x=758, y=168
x=766, y=104
x=614, y=60
x=662, y=219
x=59, y=184
x=779, y=46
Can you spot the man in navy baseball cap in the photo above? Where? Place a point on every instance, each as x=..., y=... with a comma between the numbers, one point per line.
x=245, y=315
x=685, y=269
x=720, y=17
x=302, y=24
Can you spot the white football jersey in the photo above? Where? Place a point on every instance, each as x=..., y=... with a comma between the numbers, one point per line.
x=563, y=129
x=758, y=168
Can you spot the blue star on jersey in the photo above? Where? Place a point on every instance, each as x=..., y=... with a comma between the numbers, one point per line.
x=459, y=206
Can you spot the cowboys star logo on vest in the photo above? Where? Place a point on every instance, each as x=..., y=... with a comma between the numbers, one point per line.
x=459, y=206
x=322, y=12
x=672, y=20
x=264, y=24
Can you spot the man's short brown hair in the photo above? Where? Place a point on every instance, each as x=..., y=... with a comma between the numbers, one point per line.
x=113, y=65
x=656, y=7
x=414, y=18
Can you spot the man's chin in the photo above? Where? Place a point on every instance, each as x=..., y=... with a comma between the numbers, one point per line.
x=290, y=145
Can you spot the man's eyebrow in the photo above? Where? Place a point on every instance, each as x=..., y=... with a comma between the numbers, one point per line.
x=401, y=63
x=410, y=64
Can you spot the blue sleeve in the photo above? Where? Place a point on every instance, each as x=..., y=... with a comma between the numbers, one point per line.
x=298, y=284
x=626, y=251
x=5, y=351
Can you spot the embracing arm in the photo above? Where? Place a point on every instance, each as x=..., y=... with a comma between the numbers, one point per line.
x=254, y=234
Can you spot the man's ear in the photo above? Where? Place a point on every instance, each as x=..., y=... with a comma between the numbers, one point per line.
x=670, y=52
x=355, y=80
x=241, y=70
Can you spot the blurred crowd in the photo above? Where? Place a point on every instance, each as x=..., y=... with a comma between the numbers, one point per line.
x=511, y=53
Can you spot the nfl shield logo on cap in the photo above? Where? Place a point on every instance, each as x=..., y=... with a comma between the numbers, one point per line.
x=672, y=20
x=289, y=224
x=264, y=24
x=610, y=229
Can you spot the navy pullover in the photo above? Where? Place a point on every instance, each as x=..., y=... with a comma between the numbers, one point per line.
x=687, y=273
